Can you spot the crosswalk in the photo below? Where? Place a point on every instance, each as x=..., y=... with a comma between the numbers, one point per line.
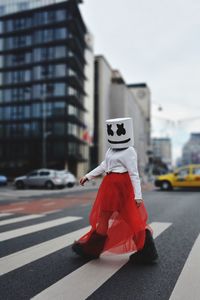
x=94, y=272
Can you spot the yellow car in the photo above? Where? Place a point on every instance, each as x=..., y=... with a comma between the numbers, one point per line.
x=187, y=176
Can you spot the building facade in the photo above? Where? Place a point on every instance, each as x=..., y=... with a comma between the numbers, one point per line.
x=42, y=91
x=162, y=150
x=191, y=150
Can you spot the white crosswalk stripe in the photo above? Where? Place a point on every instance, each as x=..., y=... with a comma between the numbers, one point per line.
x=21, y=258
x=95, y=273
x=34, y=228
x=5, y=215
x=20, y=219
x=188, y=284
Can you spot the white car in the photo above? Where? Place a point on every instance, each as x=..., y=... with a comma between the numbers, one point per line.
x=40, y=178
x=68, y=178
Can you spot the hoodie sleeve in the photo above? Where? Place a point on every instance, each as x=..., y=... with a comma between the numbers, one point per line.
x=97, y=171
x=130, y=162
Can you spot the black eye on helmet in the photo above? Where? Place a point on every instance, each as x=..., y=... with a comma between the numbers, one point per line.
x=109, y=130
x=120, y=129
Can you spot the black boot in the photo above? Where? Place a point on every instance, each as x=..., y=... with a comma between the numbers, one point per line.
x=148, y=254
x=92, y=248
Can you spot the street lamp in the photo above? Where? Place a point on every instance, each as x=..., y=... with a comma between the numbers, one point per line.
x=45, y=133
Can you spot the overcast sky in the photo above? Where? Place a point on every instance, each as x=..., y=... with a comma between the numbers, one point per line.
x=157, y=42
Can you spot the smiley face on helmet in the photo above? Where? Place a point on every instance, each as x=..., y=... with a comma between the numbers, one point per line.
x=119, y=132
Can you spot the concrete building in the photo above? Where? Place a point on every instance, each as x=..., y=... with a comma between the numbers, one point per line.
x=11, y=6
x=191, y=150
x=114, y=99
x=88, y=131
x=162, y=150
x=42, y=101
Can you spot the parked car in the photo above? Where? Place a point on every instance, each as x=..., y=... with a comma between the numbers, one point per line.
x=68, y=177
x=3, y=180
x=186, y=176
x=40, y=178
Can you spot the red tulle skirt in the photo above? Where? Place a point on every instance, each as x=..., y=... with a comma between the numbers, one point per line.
x=115, y=206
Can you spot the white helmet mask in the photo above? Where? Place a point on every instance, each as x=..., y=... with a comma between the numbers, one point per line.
x=120, y=133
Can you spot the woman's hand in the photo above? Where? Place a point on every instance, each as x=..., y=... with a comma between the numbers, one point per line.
x=83, y=180
x=138, y=202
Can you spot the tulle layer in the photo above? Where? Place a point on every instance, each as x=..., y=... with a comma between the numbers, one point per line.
x=116, y=210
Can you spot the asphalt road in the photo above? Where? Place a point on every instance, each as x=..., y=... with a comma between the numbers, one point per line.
x=60, y=274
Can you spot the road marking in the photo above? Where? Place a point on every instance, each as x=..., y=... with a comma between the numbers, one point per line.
x=18, y=259
x=20, y=219
x=188, y=284
x=5, y=215
x=34, y=228
x=52, y=211
x=81, y=283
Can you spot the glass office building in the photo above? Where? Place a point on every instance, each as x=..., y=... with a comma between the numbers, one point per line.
x=42, y=88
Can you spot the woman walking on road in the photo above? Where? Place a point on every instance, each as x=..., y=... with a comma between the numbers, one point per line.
x=118, y=217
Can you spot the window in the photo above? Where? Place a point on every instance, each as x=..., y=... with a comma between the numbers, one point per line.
x=50, y=16
x=38, y=90
x=26, y=129
x=37, y=54
x=36, y=130
x=44, y=173
x=34, y=173
x=60, y=15
x=18, y=58
x=196, y=171
x=59, y=89
x=36, y=110
x=26, y=111
x=60, y=51
x=48, y=35
x=72, y=72
x=20, y=23
x=2, y=10
x=60, y=33
x=23, y=6
x=60, y=70
x=59, y=108
x=72, y=110
x=59, y=128
x=46, y=71
x=72, y=148
x=7, y=113
x=183, y=173
x=9, y=25
x=72, y=129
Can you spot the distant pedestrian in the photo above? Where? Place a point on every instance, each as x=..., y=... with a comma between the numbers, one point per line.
x=118, y=217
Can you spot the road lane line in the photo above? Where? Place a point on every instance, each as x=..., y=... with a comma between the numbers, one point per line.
x=34, y=228
x=81, y=283
x=5, y=215
x=188, y=283
x=20, y=219
x=18, y=259
x=52, y=211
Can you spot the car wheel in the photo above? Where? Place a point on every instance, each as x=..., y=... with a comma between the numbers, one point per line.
x=166, y=186
x=49, y=185
x=19, y=185
x=70, y=184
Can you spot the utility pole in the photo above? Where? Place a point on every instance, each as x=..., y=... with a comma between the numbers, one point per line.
x=44, y=131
